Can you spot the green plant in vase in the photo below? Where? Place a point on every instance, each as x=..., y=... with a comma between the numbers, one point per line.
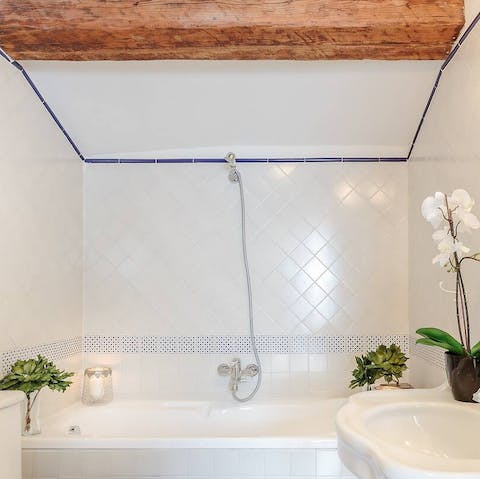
x=31, y=376
x=451, y=216
x=387, y=362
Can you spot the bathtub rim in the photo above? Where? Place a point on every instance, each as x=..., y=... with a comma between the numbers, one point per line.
x=31, y=443
x=326, y=438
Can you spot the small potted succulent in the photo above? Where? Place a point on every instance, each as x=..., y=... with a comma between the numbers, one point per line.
x=31, y=376
x=450, y=216
x=387, y=362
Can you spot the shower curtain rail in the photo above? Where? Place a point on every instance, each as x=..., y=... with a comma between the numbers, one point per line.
x=43, y=101
x=247, y=160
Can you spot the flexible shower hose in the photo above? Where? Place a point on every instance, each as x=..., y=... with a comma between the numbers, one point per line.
x=250, y=301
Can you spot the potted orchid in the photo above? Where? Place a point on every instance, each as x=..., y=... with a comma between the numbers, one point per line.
x=450, y=216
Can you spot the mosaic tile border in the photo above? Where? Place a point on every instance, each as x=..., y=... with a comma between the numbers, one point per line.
x=54, y=351
x=238, y=344
x=433, y=356
x=215, y=345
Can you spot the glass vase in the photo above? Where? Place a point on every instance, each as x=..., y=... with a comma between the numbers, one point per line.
x=31, y=415
x=97, y=386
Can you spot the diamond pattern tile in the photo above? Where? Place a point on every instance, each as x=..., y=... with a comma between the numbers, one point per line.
x=163, y=249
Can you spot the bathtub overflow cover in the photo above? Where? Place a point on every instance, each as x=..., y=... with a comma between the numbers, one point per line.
x=74, y=430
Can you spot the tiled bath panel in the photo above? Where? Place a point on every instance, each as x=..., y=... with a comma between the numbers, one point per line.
x=183, y=464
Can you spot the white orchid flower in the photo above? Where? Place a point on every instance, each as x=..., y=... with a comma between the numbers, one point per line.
x=439, y=235
x=442, y=259
x=447, y=247
x=463, y=199
x=468, y=221
x=460, y=248
x=461, y=204
x=450, y=215
x=433, y=209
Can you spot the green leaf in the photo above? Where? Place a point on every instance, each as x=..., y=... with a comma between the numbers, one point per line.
x=33, y=375
x=438, y=344
x=441, y=337
x=475, y=351
x=388, y=362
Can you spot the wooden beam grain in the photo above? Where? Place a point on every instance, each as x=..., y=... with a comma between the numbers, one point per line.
x=229, y=29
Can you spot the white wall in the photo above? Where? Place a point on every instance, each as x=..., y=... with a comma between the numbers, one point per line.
x=261, y=109
x=447, y=156
x=328, y=254
x=328, y=242
x=41, y=217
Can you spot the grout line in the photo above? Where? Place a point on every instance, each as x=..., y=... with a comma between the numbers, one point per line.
x=447, y=61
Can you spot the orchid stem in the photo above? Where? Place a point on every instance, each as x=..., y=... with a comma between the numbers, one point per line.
x=463, y=321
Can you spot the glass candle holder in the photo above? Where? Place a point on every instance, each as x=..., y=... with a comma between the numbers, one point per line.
x=97, y=386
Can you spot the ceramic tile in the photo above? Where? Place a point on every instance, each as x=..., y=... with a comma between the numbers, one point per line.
x=445, y=158
x=302, y=264
x=41, y=184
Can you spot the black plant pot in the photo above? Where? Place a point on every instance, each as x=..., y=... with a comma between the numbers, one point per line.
x=463, y=373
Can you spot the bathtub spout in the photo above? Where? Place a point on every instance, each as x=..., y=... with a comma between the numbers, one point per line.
x=236, y=373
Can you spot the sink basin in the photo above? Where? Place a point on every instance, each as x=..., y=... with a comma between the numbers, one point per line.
x=410, y=434
x=428, y=428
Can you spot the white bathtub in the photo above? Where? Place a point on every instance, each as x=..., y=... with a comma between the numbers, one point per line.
x=157, y=424
x=194, y=440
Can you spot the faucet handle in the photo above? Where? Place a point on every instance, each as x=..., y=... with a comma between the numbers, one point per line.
x=251, y=370
x=224, y=369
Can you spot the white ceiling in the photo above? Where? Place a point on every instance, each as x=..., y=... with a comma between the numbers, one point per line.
x=171, y=109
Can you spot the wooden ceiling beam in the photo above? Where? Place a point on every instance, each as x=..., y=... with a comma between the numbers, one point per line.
x=229, y=29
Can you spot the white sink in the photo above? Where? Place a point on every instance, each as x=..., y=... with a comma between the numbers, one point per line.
x=409, y=434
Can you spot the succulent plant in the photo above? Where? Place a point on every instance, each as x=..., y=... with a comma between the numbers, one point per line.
x=387, y=362
x=365, y=373
x=32, y=375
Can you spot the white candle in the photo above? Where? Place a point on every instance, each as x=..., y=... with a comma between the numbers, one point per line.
x=96, y=387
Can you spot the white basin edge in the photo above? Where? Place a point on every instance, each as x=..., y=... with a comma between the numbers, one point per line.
x=382, y=454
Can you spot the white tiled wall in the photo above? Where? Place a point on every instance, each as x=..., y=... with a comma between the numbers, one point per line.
x=446, y=157
x=328, y=255
x=327, y=244
x=184, y=463
x=188, y=376
x=41, y=217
